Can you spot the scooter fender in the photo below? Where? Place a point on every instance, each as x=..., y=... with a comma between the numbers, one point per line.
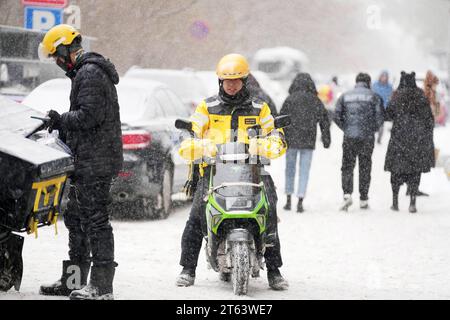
x=239, y=235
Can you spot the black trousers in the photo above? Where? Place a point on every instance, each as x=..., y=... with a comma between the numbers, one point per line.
x=412, y=180
x=361, y=149
x=191, y=241
x=87, y=219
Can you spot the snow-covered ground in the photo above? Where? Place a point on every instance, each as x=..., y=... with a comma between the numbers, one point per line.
x=374, y=254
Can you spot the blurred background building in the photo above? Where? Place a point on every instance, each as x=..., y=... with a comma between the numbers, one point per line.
x=338, y=36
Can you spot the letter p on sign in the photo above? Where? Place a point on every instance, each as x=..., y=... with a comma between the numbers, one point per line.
x=43, y=19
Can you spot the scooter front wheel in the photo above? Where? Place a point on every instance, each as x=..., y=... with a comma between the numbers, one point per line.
x=241, y=267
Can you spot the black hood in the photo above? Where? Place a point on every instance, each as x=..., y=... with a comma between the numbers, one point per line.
x=303, y=83
x=98, y=59
x=252, y=82
x=407, y=80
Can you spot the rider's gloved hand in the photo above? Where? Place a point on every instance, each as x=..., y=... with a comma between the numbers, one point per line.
x=270, y=147
x=195, y=149
x=55, y=121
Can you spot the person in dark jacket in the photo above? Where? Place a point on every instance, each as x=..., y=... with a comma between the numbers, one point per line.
x=359, y=113
x=92, y=130
x=411, y=148
x=256, y=91
x=306, y=111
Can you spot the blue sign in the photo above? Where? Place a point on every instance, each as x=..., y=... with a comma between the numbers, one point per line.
x=42, y=18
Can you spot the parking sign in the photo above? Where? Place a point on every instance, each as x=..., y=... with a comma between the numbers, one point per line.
x=43, y=19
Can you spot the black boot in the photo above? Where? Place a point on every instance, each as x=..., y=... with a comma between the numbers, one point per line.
x=276, y=280
x=300, y=205
x=74, y=277
x=100, y=286
x=186, y=277
x=395, y=202
x=288, y=203
x=412, y=205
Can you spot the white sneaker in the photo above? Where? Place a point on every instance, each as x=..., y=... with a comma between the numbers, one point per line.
x=364, y=204
x=347, y=202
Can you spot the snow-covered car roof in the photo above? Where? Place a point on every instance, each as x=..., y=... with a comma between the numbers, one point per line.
x=132, y=93
x=280, y=52
x=185, y=83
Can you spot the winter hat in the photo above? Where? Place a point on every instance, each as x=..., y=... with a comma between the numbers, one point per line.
x=407, y=80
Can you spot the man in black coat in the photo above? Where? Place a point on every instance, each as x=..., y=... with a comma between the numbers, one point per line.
x=92, y=130
x=411, y=148
x=306, y=111
x=359, y=113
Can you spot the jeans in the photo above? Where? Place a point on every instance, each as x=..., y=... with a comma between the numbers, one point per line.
x=291, y=168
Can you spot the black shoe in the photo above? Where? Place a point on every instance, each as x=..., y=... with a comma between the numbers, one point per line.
x=67, y=283
x=288, y=203
x=100, y=286
x=300, y=205
x=276, y=280
x=186, y=277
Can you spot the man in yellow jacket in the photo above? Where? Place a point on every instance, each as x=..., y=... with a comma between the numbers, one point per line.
x=225, y=118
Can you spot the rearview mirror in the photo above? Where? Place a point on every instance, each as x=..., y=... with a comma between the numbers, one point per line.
x=183, y=125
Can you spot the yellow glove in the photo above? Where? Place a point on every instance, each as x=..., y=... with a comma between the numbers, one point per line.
x=270, y=147
x=194, y=149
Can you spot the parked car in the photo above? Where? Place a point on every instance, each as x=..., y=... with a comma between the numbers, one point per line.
x=152, y=169
x=185, y=83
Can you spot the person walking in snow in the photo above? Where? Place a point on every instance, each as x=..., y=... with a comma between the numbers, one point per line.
x=359, y=114
x=411, y=148
x=384, y=89
x=306, y=111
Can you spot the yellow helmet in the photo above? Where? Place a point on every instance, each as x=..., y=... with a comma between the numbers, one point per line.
x=233, y=66
x=60, y=34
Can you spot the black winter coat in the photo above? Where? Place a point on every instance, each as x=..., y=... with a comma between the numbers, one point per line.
x=92, y=127
x=411, y=147
x=306, y=110
x=359, y=112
